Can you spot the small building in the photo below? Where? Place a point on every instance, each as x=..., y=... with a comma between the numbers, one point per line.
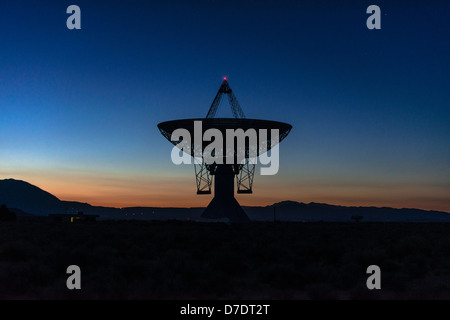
x=68, y=217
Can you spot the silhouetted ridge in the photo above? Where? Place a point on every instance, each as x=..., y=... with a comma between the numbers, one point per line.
x=313, y=211
x=27, y=197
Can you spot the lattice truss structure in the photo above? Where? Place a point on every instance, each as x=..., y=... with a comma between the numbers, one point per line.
x=245, y=172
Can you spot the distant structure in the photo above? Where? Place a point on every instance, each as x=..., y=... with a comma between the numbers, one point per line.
x=68, y=217
x=224, y=204
x=357, y=218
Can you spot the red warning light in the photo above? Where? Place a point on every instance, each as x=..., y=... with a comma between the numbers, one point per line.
x=225, y=78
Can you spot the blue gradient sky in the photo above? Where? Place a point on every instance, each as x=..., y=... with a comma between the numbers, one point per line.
x=369, y=108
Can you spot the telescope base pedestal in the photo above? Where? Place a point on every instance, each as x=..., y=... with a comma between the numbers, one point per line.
x=224, y=204
x=231, y=210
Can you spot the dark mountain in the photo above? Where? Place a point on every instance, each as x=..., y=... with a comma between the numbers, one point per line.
x=298, y=211
x=27, y=198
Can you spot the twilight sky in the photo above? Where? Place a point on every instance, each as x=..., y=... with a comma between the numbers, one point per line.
x=369, y=108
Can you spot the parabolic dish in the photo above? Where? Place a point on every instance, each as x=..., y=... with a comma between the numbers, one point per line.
x=222, y=124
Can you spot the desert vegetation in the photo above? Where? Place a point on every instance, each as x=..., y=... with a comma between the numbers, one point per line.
x=188, y=260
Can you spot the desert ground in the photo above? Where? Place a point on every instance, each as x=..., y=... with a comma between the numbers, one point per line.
x=191, y=260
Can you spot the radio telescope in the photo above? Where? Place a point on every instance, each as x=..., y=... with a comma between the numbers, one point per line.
x=224, y=204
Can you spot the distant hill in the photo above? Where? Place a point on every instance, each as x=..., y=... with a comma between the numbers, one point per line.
x=29, y=199
x=298, y=211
